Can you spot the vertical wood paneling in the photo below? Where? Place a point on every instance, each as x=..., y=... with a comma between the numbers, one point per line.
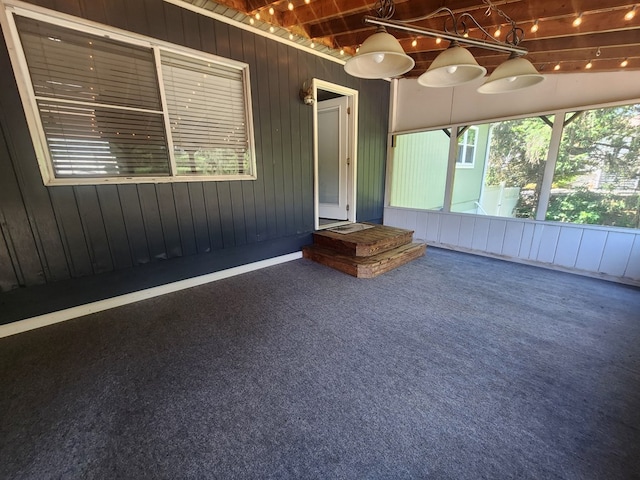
x=433, y=228
x=480, y=233
x=262, y=103
x=152, y=221
x=242, y=193
x=568, y=247
x=420, y=231
x=94, y=11
x=116, y=12
x=15, y=225
x=584, y=249
x=169, y=218
x=137, y=17
x=467, y=225
x=286, y=94
x=548, y=243
x=275, y=127
x=305, y=157
x=199, y=215
x=226, y=215
x=155, y=18
x=617, y=252
x=528, y=232
x=94, y=230
x=257, y=226
x=450, y=232
x=591, y=250
x=495, y=237
x=213, y=214
x=8, y=278
x=633, y=266
x=512, y=239
x=76, y=246
x=115, y=228
x=184, y=218
x=130, y=206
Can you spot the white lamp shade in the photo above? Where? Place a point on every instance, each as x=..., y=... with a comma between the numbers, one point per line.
x=514, y=74
x=452, y=67
x=380, y=56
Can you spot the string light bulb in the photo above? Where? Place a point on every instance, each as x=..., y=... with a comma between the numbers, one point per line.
x=291, y=36
x=271, y=11
x=307, y=2
x=252, y=21
x=341, y=51
x=414, y=43
x=498, y=32
x=290, y=6
x=578, y=20
x=534, y=27
x=271, y=29
x=624, y=63
x=313, y=45
x=438, y=40
x=588, y=65
x=557, y=67
x=258, y=16
x=630, y=14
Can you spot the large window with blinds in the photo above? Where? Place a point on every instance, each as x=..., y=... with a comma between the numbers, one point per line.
x=107, y=107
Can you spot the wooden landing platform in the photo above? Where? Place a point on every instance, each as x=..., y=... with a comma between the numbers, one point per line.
x=365, y=242
x=365, y=253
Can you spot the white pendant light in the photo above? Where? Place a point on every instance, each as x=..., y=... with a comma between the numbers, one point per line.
x=380, y=56
x=452, y=67
x=514, y=74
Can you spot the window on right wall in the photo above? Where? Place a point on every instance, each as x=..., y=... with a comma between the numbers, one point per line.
x=597, y=172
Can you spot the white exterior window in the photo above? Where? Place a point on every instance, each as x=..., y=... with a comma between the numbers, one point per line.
x=467, y=145
x=105, y=106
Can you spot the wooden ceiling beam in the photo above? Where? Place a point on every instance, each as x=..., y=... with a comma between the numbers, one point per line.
x=552, y=21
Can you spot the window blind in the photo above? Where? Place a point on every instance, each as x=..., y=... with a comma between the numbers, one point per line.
x=98, y=100
x=207, y=111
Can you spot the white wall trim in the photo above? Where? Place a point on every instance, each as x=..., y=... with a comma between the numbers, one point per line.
x=69, y=313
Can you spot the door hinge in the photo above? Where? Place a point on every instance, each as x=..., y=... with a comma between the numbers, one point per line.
x=347, y=208
x=348, y=110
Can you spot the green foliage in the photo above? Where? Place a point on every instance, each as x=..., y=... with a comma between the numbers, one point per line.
x=584, y=206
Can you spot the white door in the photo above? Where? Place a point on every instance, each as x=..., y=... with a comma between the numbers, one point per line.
x=333, y=158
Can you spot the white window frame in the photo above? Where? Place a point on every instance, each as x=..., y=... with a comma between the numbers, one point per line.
x=463, y=143
x=32, y=113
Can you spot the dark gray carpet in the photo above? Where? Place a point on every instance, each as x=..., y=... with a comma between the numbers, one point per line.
x=453, y=367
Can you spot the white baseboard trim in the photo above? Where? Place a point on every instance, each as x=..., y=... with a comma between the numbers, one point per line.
x=67, y=314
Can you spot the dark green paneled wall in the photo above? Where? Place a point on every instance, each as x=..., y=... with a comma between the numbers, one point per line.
x=55, y=233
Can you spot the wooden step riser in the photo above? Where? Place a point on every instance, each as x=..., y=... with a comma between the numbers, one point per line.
x=364, y=243
x=365, y=267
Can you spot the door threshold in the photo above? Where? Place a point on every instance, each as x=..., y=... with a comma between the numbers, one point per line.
x=334, y=224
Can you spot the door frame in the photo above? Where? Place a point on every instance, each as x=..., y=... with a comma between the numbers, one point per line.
x=352, y=126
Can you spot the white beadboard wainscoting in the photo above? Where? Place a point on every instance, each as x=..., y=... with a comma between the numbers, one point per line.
x=603, y=252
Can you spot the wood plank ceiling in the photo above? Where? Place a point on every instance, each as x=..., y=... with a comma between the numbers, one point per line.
x=605, y=37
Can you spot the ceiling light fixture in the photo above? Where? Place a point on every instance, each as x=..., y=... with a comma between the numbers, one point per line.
x=630, y=14
x=381, y=55
x=578, y=20
x=534, y=27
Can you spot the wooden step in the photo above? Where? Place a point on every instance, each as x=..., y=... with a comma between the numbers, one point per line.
x=365, y=267
x=364, y=243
